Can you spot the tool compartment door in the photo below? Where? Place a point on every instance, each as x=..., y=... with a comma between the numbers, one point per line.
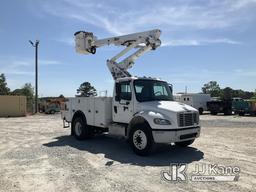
x=103, y=112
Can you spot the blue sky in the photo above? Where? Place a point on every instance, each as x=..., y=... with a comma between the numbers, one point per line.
x=202, y=40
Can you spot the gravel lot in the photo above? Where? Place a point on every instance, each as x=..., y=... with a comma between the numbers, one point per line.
x=37, y=154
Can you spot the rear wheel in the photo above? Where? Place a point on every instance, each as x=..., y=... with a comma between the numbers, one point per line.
x=200, y=110
x=184, y=143
x=213, y=113
x=79, y=129
x=241, y=113
x=141, y=140
x=228, y=112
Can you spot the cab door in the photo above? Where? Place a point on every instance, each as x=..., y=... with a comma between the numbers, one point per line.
x=122, y=103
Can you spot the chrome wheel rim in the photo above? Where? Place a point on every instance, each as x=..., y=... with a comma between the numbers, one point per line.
x=139, y=139
x=78, y=128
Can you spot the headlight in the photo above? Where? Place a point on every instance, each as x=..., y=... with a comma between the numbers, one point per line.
x=162, y=121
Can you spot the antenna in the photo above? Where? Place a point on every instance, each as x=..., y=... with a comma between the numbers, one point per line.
x=31, y=43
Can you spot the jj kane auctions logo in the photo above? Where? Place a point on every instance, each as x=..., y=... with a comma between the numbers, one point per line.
x=201, y=173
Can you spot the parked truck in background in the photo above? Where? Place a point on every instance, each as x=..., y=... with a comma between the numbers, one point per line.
x=50, y=105
x=196, y=100
x=220, y=106
x=242, y=107
x=141, y=110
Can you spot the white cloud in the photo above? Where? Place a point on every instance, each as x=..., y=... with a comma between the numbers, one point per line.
x=68, y=41
x=197, y=42
x=48, y=62
x=180, y=20
x=245, y=72
x=20, y=63
x=19, y=72
x=22, y=67
x=242, y=3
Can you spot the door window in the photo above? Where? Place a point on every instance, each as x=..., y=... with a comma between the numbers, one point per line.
x=125, y=91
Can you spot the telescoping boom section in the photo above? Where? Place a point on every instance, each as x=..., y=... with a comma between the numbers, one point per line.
x=87, y=43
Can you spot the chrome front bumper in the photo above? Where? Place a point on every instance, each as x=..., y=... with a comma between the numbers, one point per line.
x=175, y=135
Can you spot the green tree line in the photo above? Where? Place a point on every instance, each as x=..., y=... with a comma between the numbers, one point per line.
x=213, y=88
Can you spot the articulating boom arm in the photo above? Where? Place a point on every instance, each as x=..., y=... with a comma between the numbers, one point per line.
x=87, y=43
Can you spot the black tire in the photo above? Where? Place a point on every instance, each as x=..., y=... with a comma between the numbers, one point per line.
x=228, y=112
x=213, y=113
x=184, y=143
x=241, y=113
x=52, y=112
x=201, y=110
x=137, y=137
x=80, y=129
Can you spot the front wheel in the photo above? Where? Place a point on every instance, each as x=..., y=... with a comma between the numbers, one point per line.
x=213, y=113
x=228, y=112
x=201, y=110
x=241, y=113
x=80, y=129
x=185, y=143
x=141, y=140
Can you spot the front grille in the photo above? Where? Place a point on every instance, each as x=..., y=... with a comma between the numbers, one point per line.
x=187, y=119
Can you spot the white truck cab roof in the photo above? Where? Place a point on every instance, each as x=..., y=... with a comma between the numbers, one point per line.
x=137, y=78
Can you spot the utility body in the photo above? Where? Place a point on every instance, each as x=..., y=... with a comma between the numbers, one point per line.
x=142, y=109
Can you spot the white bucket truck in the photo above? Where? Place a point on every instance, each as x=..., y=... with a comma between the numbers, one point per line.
x=141, y=110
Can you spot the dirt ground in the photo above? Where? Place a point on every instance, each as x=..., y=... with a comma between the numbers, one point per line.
x=37, y=154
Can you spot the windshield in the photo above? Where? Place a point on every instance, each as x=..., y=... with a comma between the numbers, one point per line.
x=152, y=90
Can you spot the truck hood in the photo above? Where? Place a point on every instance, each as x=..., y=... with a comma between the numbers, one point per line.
x=166, y=107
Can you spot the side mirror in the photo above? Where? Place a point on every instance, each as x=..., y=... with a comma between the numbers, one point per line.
x=171, y=87
x=117, y=98
x=118, y=90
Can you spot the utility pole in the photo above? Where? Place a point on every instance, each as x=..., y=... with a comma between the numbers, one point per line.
x=36, y=72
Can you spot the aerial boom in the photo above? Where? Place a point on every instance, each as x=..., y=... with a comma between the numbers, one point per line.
x=141, y=109
x=87, y=43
